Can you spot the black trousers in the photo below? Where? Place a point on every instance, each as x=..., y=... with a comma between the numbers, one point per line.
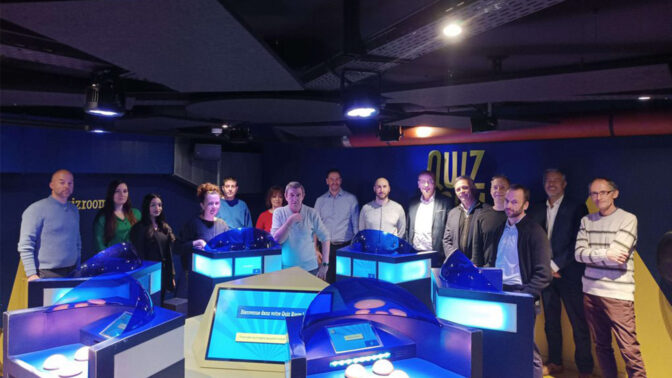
x=55, y=272
x=331, y=273
x=569, y=290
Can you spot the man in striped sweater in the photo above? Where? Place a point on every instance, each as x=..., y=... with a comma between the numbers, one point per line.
x=606, y=244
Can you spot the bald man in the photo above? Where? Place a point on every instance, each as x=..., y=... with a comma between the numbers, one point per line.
x=50, y=244
x=382, y=213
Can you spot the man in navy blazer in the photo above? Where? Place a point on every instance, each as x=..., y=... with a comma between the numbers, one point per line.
x=560, y=217
x=427, y=218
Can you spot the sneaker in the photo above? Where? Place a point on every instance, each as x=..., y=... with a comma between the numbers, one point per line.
x=551, y=368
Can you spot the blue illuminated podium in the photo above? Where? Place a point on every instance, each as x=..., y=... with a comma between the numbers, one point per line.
x=119, y=258
x=473, y=297
x=233, y=254
x=361, y=321
x=105, y=327
x=384, y=256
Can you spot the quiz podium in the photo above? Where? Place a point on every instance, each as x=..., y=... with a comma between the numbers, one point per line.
x=369, y=320
x=243, y=327
x=471, y=296
x=237, y=253
x=119, y=258
x=384, y=256
x=105, y=327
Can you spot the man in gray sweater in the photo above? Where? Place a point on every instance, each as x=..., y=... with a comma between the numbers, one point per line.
x=50, y=244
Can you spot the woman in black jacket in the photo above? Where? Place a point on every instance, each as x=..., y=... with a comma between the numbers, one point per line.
x=153, y=239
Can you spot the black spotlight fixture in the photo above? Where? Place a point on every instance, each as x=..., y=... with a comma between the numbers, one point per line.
x=483, y=121
x=239, y=135
x=390, y=133
x=104, y=97
x=362, y=100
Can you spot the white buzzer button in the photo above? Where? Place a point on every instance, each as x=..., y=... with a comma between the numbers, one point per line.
x=355, y=371
x=383, y=367
x=82, y=354
x=54, y=362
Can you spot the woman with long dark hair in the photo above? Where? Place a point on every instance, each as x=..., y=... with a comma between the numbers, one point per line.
x=274, y=200
x=113, y=222
x=153, y=240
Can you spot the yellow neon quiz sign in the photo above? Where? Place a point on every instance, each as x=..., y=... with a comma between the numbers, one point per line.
x=449, y=165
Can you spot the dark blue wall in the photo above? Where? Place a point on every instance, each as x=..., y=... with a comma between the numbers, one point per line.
x=640, y=165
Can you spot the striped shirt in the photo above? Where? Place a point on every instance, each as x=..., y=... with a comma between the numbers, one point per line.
x=597, y=235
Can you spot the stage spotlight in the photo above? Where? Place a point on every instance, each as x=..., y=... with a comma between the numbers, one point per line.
x=360, y=101
x=239, y=135
x=482, y=123
x=104, y=97
x=644, y=98
x=389, y=133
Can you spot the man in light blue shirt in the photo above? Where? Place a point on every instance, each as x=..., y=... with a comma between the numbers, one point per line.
x=339, y=212
x=523, y=254
x=294, y=226
x=234, y=211
x=50, y=244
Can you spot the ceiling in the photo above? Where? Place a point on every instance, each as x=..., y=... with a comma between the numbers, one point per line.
x=276, y=66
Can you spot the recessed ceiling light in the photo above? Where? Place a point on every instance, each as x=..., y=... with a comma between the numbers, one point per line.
x=644, y=98
x=452, y=30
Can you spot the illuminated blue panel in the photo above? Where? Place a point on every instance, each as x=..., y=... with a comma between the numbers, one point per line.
x=155, y=282
x=51, y=296
x=272, y=263
x=246, y=266
x=249, y=324
x=480, y=314
x=213, y=268
x=343, y=266
x=403, y=272
x=363, y=268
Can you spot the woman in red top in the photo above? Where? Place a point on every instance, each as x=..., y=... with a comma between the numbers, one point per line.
x=274, y=200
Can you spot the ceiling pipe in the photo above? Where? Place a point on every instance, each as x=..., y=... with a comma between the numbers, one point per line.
x=631, y=124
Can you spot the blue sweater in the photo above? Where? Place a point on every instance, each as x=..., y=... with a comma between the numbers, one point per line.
x=235, y=213
x=49, y=236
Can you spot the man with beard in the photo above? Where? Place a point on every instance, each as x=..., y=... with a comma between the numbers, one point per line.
x=382, y=213
x=427, y=218
x=294, y=226
x=459, y=225
x=523, y=253
x=487, y=221
x=339, y=212
x=50, y=244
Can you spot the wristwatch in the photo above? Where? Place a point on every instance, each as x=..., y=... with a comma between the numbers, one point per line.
x=325, y=264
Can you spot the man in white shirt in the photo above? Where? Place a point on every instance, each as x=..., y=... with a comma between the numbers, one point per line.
x=293, y=227
x=426, y=218
x=382, y=213
x=561, y=216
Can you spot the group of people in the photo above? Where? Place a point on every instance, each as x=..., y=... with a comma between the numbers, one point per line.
x=553, y=251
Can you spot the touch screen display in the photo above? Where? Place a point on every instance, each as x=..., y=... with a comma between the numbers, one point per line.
x=118, y=326
x=249, y=324
x=354, y=336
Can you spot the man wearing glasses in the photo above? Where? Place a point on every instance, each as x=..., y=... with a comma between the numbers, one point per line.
x=606, y=244
x=427, y=218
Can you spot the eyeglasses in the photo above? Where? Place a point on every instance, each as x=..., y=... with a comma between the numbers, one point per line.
x=602, y=193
